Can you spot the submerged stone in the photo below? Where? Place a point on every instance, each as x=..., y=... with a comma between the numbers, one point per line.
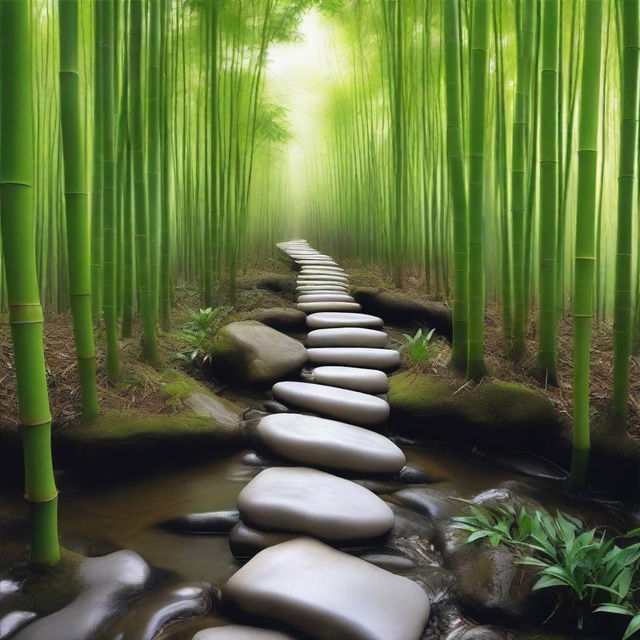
x=249, y=352
x=240, y=632
x=347, y=337
x=327, y=594
x=355, y=378
x=329, y=443
x=356, y=357
x=328, y=319
x=344, y=404
x=303, y=500
x=212, y=522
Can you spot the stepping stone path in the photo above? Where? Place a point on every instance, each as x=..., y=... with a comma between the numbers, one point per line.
x=294, y=580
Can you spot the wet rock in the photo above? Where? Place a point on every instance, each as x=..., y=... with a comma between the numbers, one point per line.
x=240, y=632
x=109, y=584
x=500, y=415
x=354, y=378
x=342, y=404
x=283, y=319
x=401, y=309
x=326, y=594
x=312, y=502
x=412, y=475
x=393, y=562
x=329, y=443
x=431, y=501
x=466, y=630
x=212, y=522
x=245, y=541
x=252, y=459
x=13, y=621
x=153, y=613
x=220, y=409
x=507, y=495
x=273, y=406
x=250, y=353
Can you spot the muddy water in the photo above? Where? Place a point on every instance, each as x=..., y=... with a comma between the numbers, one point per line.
x=99, y=520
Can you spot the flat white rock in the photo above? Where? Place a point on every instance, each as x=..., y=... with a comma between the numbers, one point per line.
x=356, y=378
x=312, y=502
x=344, y=404
x=328, y=319
x=347, y=337
x=240, y=632
x=327, y=594
x=325, y=297
x=321, y=267
x=325, y=276
x=323, y=283
x=329, y=443
x=315, y=307
x=302, y=288
x=355, y=356
x=310, y=261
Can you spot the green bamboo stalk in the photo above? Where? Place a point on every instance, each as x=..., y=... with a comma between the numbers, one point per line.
x=77, y=205
x=584, y=259
x=457, y=185
x=628, y=167
x=97, y=245
x=25, y=312
x=479, y=58
x=547, y=320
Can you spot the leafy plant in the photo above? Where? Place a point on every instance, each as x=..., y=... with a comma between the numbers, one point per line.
x=202, y=325
x=601, y=574
x=420, y=348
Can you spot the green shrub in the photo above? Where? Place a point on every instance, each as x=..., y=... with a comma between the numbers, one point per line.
x=420, y=348
x=202, y=325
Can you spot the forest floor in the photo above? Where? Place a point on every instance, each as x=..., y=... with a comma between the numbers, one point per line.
x=140, y=387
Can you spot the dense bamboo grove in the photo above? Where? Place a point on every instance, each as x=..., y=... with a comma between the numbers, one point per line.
x=478, y=143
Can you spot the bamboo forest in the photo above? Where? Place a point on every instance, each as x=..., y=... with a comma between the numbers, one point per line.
x=319, y=320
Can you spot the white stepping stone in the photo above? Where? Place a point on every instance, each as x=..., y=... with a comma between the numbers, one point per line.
x=240, y=632
x=321, y=266
x=322, y=283
x=355, y=378
x=355, y=356
x=325, y=297
x=309, y=261
x=329, y=319
x=347, y=337
x=320, y=257
x=329, y=277
x=315, y=307
x=329, y=443
x=321, y=272
x=327, y=594
x=312, y=502
x=307, y=288
x=343, y=404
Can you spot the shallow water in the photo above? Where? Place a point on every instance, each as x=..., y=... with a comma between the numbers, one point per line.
x=96, y=520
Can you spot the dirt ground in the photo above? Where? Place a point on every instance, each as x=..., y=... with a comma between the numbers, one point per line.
x=140, y=385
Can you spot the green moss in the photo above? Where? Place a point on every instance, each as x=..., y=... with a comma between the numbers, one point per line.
x=44, y=589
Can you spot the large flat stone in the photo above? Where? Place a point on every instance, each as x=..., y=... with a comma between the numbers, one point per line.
x=344, y=404
x=328, y=319
x=355, y=357
x=322, y=281
x=245, y=541
x=254, y=354
x=319, y=504
x=321, y=268
x=356, y=378
x=347, y=337
x=325, y=297
x=325, y=276
x=315, y=307
x=240, y=632
x=312, y=288
x=327, y=594
x=311, y=261
x=329, y=443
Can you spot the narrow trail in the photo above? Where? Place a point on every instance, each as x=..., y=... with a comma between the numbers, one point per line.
x=302, y=582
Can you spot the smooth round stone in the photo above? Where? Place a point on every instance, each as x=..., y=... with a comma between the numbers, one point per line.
x=240, y=632
x=344, y=404
x=321, y=267
x=356, y=356
x=245, y=541
x=325, y=297
x=347, y=337
x=329, y=443
x=315, y=307
x=329, y=277
x=319, y=257
x=333, y=284
x=312, y=288
x=329, y=319
x=312, y=502
x=319, y=273
x=310, y=261
x=356, y=378
x=327, y=594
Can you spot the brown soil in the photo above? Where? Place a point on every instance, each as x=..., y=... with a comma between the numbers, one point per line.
x=140, y=385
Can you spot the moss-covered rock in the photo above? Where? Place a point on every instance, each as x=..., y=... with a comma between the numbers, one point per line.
x=399, y=309
x=116, y=441
x=284, y=319
x=498, y=414
x=280, y=283
x=251, y=354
